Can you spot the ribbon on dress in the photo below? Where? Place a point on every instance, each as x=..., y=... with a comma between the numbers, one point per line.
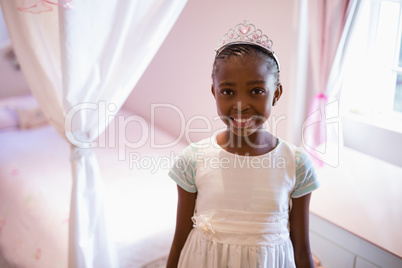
x=202, y=222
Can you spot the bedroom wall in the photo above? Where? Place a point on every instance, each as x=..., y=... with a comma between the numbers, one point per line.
x=178, y=79
x=12, y=82
x=3, y=29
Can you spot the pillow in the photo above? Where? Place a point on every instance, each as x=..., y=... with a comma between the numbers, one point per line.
x=8, y=118
x=18, y=111
x=31, y=118
x=19, y=102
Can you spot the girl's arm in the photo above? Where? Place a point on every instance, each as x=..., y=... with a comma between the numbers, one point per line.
x=299, y=231
x=184, y=224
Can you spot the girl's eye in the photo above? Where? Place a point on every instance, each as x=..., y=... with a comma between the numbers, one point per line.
x=227, y=92
x=257, y=91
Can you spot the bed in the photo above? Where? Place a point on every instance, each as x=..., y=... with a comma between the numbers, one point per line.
x=35, y=187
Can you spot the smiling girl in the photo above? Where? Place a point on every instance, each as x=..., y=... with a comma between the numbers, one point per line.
x=241, y=211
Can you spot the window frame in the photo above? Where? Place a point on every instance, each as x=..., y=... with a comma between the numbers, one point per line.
x=378, y=135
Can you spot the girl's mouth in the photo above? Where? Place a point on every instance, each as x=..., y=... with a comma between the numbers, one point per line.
x=237, y=120
x=241, y=122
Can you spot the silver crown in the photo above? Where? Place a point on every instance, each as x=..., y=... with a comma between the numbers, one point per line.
x=246, y=33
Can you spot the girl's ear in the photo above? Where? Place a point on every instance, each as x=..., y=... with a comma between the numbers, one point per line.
x=213, y=90
x=277, y=94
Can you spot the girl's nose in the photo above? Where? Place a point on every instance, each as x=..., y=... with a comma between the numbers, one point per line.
x=241, y=106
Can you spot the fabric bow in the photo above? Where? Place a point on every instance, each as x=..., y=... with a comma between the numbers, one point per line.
x=202, y=223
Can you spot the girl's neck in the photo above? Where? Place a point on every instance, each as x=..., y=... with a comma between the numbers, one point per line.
x=258, y=143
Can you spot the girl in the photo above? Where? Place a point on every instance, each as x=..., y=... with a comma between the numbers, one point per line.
x=243, y=194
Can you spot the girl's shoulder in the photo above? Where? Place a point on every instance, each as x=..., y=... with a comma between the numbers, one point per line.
x=300, y=154
x=198, y=146
x=306, y=179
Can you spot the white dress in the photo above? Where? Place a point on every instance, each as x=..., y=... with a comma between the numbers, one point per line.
x=243, y=204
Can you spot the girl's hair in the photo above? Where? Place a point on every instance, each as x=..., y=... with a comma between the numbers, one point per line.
x=242, y=50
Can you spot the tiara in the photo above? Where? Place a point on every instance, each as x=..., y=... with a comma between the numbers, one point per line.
x=246, y=33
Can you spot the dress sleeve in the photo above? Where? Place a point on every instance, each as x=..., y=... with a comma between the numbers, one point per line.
x=183, y=171
x=306, y=178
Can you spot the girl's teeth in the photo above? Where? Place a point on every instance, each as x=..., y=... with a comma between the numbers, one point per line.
x=242, y=120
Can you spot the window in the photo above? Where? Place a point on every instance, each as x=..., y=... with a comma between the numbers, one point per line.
x=373, y=75
x=371, y=100
x=398, y=84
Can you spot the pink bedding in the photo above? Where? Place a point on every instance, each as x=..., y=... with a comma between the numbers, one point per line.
x=35, y=188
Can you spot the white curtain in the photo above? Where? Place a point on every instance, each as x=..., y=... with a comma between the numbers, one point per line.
x=322, y=128
x=95, y=52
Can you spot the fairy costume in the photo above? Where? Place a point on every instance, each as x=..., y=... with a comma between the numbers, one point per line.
x=243, y=204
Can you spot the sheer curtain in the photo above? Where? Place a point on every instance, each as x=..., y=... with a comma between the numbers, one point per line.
x=72, y=60
x=330, y=25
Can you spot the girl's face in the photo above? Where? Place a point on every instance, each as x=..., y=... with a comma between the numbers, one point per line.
x=245, y=91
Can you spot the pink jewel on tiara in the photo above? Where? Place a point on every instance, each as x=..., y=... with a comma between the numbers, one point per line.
x=244, y=29
x=246, y=33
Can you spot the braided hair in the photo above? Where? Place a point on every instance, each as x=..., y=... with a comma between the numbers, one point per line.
x=242, y=50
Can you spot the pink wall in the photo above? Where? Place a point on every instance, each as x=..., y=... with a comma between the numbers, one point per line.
x=12, y=82
x=3, y=29
x=179, y=75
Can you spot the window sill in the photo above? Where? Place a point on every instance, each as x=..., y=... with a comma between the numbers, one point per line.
x=362, y=195
x=388, y=122
x=374, y=136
